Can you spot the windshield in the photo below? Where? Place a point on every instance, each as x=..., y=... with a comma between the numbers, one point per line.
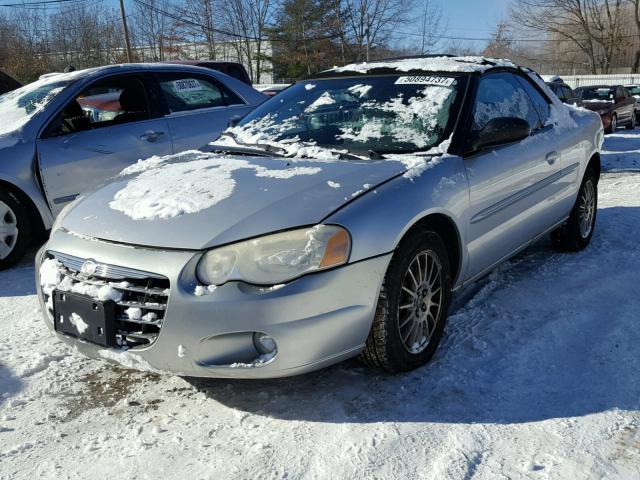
x=600, y=94
x=385, y=114
x=635, y=91
x=18, y=106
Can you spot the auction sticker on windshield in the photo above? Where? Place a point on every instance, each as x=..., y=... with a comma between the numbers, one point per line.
x=421, y=80
x=188, y=85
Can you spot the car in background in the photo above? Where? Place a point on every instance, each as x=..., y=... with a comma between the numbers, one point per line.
x=334, y=220
x=272, y=89
x=8, y=83
x=562, y=90
x=634, y=91
x=613, y=103
x=68, y=132
x=233, y=69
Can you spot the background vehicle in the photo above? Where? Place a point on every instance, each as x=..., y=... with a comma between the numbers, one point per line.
x=272, y=90
x=613, y=103
x=233, y=69
x=334, y=220
x=634, y=91
x=563, y=91
x=69, y=132
x=8, y=83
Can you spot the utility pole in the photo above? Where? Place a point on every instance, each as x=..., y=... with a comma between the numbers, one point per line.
x=126, y=31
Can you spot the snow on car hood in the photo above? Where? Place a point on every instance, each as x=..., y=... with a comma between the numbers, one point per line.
x=196, y=200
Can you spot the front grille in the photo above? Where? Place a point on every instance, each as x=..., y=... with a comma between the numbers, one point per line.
x=142, y=301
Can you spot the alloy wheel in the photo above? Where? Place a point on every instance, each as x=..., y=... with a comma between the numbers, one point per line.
x=420, y=302
x=587, y=208
x=8, y=230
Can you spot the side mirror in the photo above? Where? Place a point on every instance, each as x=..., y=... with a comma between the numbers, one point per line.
x=501, y=131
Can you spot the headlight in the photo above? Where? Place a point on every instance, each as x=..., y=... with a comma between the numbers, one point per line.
x=603, y=112
x=277, y=258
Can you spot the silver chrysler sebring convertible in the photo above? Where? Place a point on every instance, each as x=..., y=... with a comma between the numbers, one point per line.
x=335, y=220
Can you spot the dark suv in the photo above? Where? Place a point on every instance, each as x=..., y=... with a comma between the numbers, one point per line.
x=564, y=92
x=233, y=69
x=8, y=83
x=612, y=102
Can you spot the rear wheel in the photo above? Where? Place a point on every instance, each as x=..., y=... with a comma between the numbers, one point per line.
x=412, y=307
x=632, y=123
x=576, y=233
x=15, y=229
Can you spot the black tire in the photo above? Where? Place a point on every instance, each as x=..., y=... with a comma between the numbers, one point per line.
x=632, y=122
x=613, y=126
x=385, y=348
x=570, y=237
x=18, y=214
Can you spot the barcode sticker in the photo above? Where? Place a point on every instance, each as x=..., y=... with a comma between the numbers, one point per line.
x=422, y=80
x=187, y=85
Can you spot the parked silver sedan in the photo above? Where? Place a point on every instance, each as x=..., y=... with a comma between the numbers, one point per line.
x=70, y=132
x=335, y=220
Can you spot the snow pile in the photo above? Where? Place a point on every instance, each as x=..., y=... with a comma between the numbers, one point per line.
x=166, y=187
x=434, y=64
x=360, y=90
x=202, y=290
x=333, y=184
x=78, y=322
x=322, y=100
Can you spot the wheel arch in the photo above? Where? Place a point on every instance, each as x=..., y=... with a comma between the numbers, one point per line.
x=34, y=213
x=595, y=165
x=446, y=227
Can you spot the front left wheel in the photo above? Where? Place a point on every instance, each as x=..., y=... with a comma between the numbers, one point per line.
x=412, y=307
x=632, y=123
x=15, y=229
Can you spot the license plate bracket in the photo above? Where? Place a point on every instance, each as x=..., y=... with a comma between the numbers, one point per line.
x=85, y=318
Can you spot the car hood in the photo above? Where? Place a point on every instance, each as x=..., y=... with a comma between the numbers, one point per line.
x=197, y=200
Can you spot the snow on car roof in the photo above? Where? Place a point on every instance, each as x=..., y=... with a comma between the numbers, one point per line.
x=429, y=64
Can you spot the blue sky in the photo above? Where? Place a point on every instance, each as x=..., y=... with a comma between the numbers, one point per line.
x=472, y=18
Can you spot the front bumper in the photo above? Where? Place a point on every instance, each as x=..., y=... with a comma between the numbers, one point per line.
x=316, y=320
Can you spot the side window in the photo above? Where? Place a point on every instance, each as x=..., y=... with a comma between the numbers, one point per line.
x=567, y=93
x=112, y=101
x=184, y=92
x=501, y=95
x=539, y=102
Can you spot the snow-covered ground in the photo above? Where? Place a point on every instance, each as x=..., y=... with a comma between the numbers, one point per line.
x=538, y=377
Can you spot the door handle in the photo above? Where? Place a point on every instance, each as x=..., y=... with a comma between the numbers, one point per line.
x=552, y=157
x=151, y=136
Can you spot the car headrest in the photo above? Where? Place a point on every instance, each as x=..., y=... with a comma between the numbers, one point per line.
x=132, y=99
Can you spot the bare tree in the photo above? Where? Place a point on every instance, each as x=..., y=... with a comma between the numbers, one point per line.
x=593, y=26
x=199, y=22
x=433, y=25
x=247, y=22
x=636, y=17
x=151, y=29
x=370, y=22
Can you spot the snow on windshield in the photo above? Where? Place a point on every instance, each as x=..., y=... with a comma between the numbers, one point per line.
x=387, y=114
x=19, y=106
x=166, y=189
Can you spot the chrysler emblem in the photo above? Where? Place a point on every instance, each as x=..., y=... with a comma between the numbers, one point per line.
x=89, y=268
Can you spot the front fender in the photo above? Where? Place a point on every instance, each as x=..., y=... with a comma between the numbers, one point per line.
x=18, y=169
x=379, y=219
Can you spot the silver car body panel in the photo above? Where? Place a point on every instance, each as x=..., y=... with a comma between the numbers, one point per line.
x=316, y=320
x=55, y=169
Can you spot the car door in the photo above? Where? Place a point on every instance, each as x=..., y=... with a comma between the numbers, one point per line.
x=624, y=106
x=199, y=107
x=508, y=184
x=106, y=127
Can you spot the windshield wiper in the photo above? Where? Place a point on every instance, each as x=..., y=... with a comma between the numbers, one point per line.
x=273, y=150
x=243, y=151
